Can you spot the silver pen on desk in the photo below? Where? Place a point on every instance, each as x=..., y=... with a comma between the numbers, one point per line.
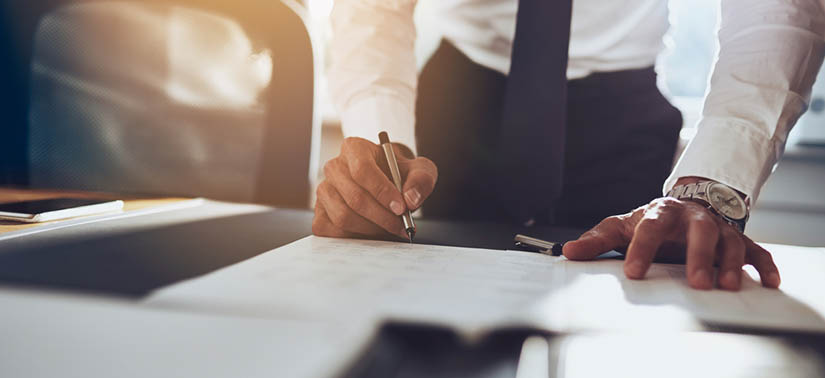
x=389, y=153
x=531, y=244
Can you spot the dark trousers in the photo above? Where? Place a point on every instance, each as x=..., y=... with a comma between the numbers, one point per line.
x=620, y=142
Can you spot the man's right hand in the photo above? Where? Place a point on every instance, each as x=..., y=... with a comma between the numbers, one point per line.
x=357, y=199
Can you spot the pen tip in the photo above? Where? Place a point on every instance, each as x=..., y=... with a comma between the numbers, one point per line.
x=410, y=234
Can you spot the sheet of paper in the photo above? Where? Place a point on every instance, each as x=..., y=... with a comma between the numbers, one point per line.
x=60, y=335
x=322, y=278
x=475, y=289
x=597, y=293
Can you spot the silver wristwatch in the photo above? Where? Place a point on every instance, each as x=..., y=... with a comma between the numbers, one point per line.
x=718, y=198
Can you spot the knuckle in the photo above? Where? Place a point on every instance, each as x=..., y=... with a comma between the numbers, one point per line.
x=644, y=208
x=702, y=213
x=611, y=222
x=426, y=162
x=338, y=218
x=348, y=144
x=704, y=220
x=356, y=200
x=663, y=208
x=668, y=201
x=668, y=204
x=354, y=146
x=653, y=222
x=346, y=147
x=360, y=170
x=589, y=234
x=322, y=190
x=671, y=207
x=427, y=181
x=331, y=167
x=424, y=182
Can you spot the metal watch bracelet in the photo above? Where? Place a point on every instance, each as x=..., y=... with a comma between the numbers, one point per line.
x=698, y=192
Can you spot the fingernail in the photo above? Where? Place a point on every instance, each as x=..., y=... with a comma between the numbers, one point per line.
x=396, y=207
x=635, y=269
x=773, y=279
x=702, y=279
x=731, y=279
x=413, y=196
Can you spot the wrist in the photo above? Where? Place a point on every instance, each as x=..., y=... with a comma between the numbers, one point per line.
x=729, y=204
x=694, y=179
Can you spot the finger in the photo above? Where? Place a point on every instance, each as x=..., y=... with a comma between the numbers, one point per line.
x=761, y=259
x=731, y=255
x=322, y=225
x=360, y=156
x=362, y=202
x=358, y=199
x=342, y=211
x=648, y=236
x=605, y=237
x=420, y=176
x=702, y=237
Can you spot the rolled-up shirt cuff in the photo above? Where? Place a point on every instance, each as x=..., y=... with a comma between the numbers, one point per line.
x=730, y=152
x=367, y=117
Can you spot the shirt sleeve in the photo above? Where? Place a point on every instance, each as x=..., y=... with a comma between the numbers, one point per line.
x=373, y=75
x=769, y=56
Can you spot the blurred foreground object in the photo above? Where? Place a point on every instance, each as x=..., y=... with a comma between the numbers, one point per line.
x=681, y=355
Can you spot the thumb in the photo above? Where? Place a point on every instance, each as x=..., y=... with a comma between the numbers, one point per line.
x=421, y=176
x=605, y=237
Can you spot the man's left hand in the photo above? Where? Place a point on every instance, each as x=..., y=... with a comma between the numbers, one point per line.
x=677, y=230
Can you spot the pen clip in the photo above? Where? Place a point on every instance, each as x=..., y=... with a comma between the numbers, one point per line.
x=537, y=245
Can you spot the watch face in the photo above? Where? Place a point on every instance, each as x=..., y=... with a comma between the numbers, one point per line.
x=727, y=202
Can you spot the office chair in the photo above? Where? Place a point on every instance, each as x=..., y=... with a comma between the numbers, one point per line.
x=82, y=122
x=12, y=98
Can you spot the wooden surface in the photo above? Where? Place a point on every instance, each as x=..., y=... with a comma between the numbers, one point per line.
x=130, y=203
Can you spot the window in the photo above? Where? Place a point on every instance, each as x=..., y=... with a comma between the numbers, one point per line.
x=689, y=59
x=692, y=46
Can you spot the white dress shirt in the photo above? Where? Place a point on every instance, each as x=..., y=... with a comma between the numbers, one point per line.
x=757, y=93
x=770, y=53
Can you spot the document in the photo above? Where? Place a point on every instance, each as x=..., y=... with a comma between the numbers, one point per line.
x=66, y=335
x=476, y=290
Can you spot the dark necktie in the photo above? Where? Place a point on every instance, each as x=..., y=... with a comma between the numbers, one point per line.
x=531, y=147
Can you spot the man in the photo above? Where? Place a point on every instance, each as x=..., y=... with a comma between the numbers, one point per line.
x=755, y=98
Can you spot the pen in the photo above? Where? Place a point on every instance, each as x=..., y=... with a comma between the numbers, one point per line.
x=531, y=244
x=409, y=225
